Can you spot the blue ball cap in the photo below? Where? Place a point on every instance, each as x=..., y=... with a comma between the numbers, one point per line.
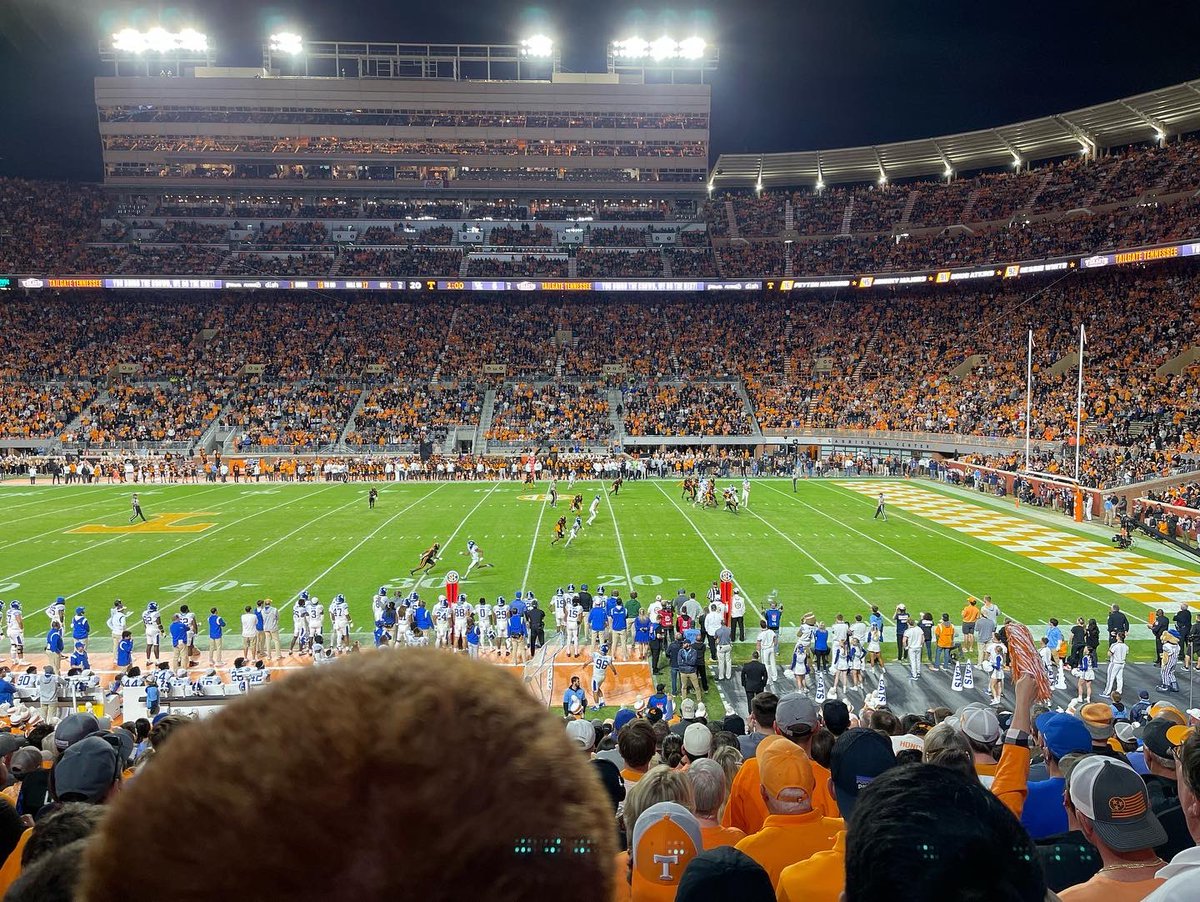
x=517, y=594
x=79, y=610
x=60, y=600
x=1064, y=733
x=583, y=587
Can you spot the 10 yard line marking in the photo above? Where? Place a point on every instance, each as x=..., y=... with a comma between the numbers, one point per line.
x=982, y=550
x=720, y=563
x=362, y=542
x=199, y=538
x=620, y=544
x=894, y=551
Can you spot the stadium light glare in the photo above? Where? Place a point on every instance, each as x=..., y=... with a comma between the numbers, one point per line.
x=1017, y=162
x=692, y=48
x=949, y=172
x=158, y=40
x=663, y=48
x=820, y=184
x=287, y=42
x=1160, y=135
x=539, y=45
x=631, y=48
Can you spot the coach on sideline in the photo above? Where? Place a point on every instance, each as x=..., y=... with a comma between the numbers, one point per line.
x=491, y=802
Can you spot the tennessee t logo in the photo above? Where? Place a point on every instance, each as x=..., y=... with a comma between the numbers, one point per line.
x=666, y=861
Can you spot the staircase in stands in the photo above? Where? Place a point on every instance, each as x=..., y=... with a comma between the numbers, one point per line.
x=350, y=420
x=667, y=272
x=969, y=206
x=731, y=218
x=909, y=205
x=740, y=386
x=1029, y=204
x=485, y=421
x=615, y=401
x=847, y=217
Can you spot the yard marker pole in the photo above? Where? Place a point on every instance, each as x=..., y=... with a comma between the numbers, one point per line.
x=1079, y=403
x=1028, y=394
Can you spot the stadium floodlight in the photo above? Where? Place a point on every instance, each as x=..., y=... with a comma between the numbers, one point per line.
x=663, y=48
x=286, y=42
x=948, y=173
x=692, y=48
x=538, y=45
x=820, y=184
x=159, y=40
x=631, y=48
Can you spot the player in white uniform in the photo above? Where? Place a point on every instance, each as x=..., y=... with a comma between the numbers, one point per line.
x=300, y=632
x=574, y=616
x=601, y=664
x=378, y=603
x=462, y=612
x=476, y=554
x=571, y=480
x=316, y=618
x=340, y=612
x=501, y=612
x=593, y=510
x=16, y=632
x=483, y=617
x=153, y=624
x=558, y=604
x=441, y=622
x=745, y=493
x=118, y=621
x=57, y=611
x=575, y=527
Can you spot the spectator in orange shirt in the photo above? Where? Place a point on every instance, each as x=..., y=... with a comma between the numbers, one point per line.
x=969, y=615
x=794, y=830
x=711, y=789
x=944, y=633
x=859, y=757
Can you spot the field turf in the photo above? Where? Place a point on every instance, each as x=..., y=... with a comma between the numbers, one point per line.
x=817, y=549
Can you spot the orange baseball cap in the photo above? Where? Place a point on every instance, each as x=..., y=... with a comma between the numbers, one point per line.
x=785, y=772
x=1170, y=712
x=665, y=839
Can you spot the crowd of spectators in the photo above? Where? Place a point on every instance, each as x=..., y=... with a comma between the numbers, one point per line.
x=518, y=265
x=551, y=413
x=151, y=413
x=692, y=408
x=617, y=236
x=307, y=264
x=592, y=262
x=409, y=261
x=404, y=413
x=306, y=416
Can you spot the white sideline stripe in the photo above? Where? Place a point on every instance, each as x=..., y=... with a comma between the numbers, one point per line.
x=720, y=563
x=91, y=547
x=533, y=545
x=620, y=544
x=70, y=526
x=303, y=526
x=870, y=538
x=200, y=538
x=980, y=548
x=363, y=541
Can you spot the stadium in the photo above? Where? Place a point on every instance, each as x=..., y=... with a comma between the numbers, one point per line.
x=639, y=516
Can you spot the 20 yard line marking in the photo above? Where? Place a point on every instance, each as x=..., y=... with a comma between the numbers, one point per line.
x=720, y=563
x=620, y=544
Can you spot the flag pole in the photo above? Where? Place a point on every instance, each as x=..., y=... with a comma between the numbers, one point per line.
x=1079, y=403
x=1028, y=394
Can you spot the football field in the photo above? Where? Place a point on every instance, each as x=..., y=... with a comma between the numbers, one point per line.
x=817, y=549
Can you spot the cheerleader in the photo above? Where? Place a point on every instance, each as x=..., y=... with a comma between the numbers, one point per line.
x=800, y=667
x=1085, y=673
x=875, y=648
x=841, y=667
x=857, y=659
x=996, y=660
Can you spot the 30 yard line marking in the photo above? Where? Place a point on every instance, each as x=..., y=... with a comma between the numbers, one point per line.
x=620, y=544
x=84, y=522
x=979, y=548
x=870, y=538
x=362, y=542
x=199, y=538
x=720, y=563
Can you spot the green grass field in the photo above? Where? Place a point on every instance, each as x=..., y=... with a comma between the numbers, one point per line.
x=818, y=549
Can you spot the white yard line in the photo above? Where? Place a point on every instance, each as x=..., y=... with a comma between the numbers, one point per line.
x=871, y=538
x=70, y=526
x=620, y=544
x=463, y=521
x=62, y=558
x=977, y=547
x=533, y=545
x=370, y=536
x=720, y=563
x=53, y=510
x=200, y=538
x=41, y=500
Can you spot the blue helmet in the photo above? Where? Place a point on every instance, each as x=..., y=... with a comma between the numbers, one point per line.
x=571, y=587
x=153, y=606
x=303, y=595
x=15, y=605
x=60, y=600
x=383, y=590
x=339, y=599
x=413, y=595
x=604, y=649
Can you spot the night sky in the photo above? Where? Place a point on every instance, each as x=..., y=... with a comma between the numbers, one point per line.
x=796, y=75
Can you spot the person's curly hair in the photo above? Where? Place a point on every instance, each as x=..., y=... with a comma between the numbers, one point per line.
x=405, y=773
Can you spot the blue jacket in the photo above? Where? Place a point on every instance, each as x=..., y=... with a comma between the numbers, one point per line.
x=54, y=641
x=687, y=659
x=216, y=626
x=125, y=653
x=80, y=628
x=597, y=618
x=179, y=632
x=773, y=616
x=663, y=703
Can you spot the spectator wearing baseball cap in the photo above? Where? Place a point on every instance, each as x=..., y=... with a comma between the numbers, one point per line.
x=795, y=720
x=1098, y=718
x=936, y=824
x=1182, y=875
x=859, y=756
x=1162, y=784
x=665, y=840
x=697, y=742
x=583, y=735
x=721, y=874
x=660, y=784
x=1110, y=803
x=710, y=789
x=982, y=728
x=1059, y=735
x=794, y=829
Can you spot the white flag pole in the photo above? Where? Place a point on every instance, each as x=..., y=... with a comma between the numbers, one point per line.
x=1079, y=402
